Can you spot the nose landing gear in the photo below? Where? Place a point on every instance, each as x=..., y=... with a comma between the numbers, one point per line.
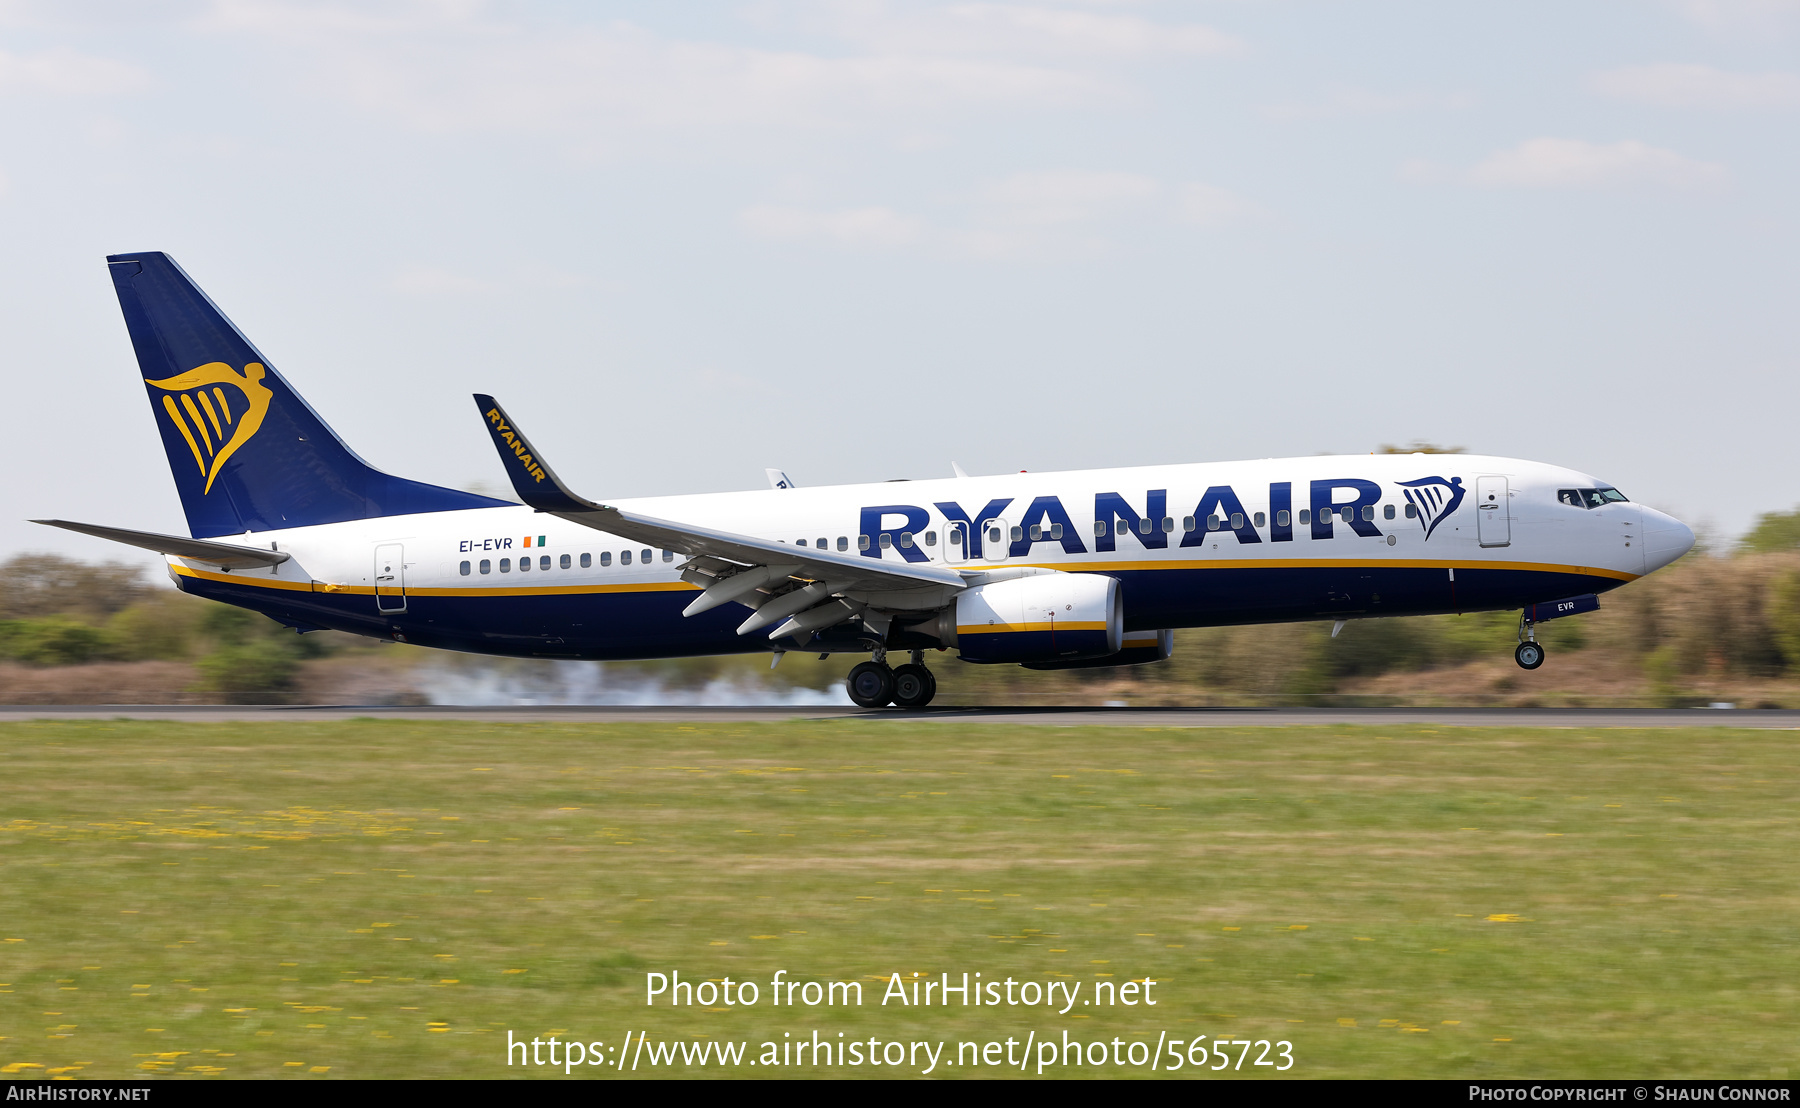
x=1530, y=652
x=872, y=684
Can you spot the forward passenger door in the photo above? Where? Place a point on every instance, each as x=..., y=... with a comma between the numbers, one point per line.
x=1493, y=511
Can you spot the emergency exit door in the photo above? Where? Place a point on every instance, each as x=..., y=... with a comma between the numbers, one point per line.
x=390, y=578
x=996, y=539
x=1493, y=511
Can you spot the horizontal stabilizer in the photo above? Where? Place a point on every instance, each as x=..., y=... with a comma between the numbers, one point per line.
x=222, y=554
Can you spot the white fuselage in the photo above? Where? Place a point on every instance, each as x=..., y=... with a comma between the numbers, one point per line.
x=1199, y=544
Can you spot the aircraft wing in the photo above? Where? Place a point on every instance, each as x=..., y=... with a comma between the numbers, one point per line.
x=222, y=554
x=540, y=488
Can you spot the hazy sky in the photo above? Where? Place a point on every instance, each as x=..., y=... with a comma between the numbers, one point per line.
x=857, y=240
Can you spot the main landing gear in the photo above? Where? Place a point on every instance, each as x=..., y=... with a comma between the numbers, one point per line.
x=1530, y=653
x=873, y=685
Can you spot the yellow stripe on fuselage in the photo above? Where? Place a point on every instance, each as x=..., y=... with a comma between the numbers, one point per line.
x=1145, y=565
x=1317, y=563
x=999, y=628
x=369, y=590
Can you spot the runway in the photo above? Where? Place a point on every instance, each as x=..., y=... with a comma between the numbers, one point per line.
x=1776, y=719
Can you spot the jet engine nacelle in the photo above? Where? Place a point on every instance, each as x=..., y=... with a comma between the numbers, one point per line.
x=1047, y=617
x=1139, y=647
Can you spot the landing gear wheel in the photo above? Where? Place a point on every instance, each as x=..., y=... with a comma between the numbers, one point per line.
x=1530, y=655
x=871, y=685
x=914, y=686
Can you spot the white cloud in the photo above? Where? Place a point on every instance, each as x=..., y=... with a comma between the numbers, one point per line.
x=1018, y=29
x=858, y=227
x=1699, y=86
x=1049, y=213
x=457, y=67
x=1346, y=101
x=430, y=281
x=67, y=73
x=1065, y=196
x=1203, y=205
x=1572, y=163
x=1731, y=15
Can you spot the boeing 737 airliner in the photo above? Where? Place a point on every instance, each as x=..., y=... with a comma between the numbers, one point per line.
x=1045, y=570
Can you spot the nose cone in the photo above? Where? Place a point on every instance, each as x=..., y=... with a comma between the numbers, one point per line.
x=1665, y=539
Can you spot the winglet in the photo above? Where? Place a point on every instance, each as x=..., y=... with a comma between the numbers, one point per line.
x=531, y=476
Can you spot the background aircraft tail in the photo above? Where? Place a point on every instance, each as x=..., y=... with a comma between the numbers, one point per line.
x=248, y=454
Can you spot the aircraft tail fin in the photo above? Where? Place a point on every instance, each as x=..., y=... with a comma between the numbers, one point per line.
x=247, y=453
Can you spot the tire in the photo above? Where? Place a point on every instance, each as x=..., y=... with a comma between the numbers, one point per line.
x=1530, y=655
x=870, y=685
x=914, y=686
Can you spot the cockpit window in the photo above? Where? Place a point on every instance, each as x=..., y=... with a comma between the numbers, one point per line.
x=1590, y=498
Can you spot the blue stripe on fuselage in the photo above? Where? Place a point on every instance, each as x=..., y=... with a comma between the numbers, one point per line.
x=627, y=625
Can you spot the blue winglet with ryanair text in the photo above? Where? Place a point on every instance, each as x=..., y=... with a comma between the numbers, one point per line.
x=531, y=477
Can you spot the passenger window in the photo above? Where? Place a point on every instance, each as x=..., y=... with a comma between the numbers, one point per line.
x=1187, y=523
x=1258, y=519
x=1056, y=530
x=1368, y=513
x=544, y=562
x=486, y=566
x=644, y=556
x=1347, y=514
x=1305, y=516
x=668, y=555
x=887, y=540
x=906, y=539
x=1037, y=532
x=1017, y=534
x=587, y=561
x=931, y=538
x=1282, y=518
x=1099, y=528
x=862, y=542
x=605, y=558
x=624, y=557
x=506, y=565
x=1412, y=511
x=843, y=543
x=799, y=542
x=463, y=569
x=525, y=565
x=1237, y=521
x=1168, y=525
x=1387, y=511
x=1144, y=526
x=994, y=534
x=1212, y=523
x=954, y=536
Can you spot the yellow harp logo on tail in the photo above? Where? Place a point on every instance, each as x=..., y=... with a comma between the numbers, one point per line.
x=213, y=421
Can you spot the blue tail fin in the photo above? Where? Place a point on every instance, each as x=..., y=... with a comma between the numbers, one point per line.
x=247, y=453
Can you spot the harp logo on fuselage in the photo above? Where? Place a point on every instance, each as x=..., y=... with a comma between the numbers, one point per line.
x=215, y=423
x=1435, y=498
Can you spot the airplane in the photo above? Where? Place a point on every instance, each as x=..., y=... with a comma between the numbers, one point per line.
x=1075, y=569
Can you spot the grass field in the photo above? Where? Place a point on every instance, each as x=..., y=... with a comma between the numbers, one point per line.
x=388, y=899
